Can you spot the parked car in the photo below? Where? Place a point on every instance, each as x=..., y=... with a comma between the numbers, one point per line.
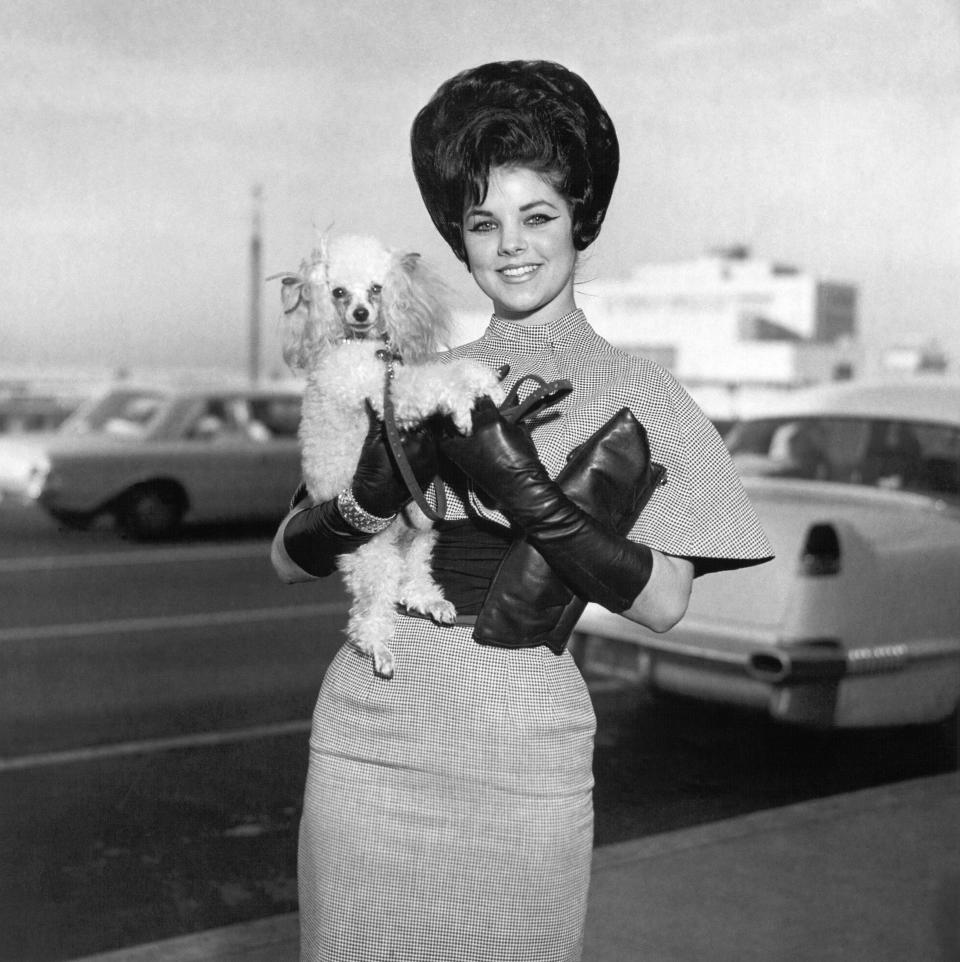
x=857, y=621
x=152, y=457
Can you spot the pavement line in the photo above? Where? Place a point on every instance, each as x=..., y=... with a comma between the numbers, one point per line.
x=170, y=622
x=150, y=745
x=135, y=557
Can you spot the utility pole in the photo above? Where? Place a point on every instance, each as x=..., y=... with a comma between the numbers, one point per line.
x=256, y=272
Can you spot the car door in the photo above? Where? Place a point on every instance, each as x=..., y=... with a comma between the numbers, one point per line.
x=271, y=429
x=240, y=467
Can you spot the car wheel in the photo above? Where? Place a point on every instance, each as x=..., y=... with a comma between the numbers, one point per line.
x=151, y=511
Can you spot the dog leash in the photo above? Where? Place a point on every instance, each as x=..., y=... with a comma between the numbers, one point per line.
x=400, y=456
x=547, y=392
x=512, y=409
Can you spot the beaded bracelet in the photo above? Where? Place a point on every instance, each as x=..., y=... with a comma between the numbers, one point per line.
x=357, y=517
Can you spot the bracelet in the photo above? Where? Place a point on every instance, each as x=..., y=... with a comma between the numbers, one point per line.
x=357, y=517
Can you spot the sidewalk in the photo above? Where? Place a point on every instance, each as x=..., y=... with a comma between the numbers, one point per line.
x=872, y=876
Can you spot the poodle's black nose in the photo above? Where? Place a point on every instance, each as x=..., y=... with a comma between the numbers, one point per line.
x=361, y=314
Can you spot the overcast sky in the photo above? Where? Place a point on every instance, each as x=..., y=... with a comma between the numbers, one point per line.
x=823, y=133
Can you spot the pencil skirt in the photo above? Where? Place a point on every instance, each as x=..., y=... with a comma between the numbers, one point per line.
x=448, y=812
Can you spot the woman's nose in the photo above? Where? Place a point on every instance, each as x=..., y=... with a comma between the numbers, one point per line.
x=512, y=241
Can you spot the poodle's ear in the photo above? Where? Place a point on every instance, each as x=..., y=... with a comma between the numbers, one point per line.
x=297, y=333
x=409, y=261
x=415, y=307
x=310, y=319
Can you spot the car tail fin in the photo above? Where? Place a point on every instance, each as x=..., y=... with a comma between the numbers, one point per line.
x=821, y=551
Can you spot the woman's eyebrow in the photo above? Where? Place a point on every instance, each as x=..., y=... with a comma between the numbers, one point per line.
x=473, y=211
x=538, y=203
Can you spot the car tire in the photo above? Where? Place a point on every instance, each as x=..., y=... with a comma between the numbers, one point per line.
x=150, y=512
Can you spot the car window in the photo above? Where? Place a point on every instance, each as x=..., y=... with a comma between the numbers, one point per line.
x=817, y=448
x=930, y=455
x=279, y=415
x=123, y=413
x=259, y=419
x=884, y=453
x=215, y=420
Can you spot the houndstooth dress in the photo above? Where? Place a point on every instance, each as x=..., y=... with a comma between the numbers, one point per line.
x=448, y=812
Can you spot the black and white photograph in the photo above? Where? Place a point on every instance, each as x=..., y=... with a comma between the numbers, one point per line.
x=480, y=483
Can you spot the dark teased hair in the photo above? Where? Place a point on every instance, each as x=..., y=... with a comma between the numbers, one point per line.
x=524, y=113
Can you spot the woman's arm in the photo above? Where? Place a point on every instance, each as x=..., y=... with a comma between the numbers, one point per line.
x=664, y=599
x=597, y=563
x=313, y=536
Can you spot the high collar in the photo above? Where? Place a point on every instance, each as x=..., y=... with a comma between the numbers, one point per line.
x=558, y=333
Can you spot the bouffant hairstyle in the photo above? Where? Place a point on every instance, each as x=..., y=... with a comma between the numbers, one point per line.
x=524, y=113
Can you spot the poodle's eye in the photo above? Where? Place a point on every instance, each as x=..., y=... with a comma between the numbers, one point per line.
x=375, y=289
x=339, y=292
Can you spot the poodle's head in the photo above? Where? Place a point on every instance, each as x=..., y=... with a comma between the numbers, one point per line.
x=354, y=287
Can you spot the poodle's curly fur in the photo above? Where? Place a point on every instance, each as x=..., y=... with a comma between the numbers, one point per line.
x=353, y=306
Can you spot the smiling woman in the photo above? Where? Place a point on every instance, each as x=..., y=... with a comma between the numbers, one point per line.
x=452, y=805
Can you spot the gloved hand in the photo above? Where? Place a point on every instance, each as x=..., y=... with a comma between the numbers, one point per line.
x=595, y=562
x=377, y=484
x=316, y=537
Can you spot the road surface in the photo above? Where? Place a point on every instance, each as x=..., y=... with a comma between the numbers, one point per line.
x=153, y=721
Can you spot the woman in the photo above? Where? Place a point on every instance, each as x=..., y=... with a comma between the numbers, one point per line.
x=448, y=811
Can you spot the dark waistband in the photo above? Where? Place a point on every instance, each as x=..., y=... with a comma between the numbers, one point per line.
x=470, y=621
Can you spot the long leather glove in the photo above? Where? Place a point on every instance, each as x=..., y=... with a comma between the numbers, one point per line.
x=596, y=563
x=316, y=537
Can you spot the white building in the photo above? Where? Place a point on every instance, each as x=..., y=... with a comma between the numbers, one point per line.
x=720, y=314
x=729, y=326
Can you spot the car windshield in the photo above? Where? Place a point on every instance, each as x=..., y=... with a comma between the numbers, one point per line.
x=878, y=452
x=124, y=412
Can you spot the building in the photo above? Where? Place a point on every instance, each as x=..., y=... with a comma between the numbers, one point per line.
x=721, y=313
x=731, y=327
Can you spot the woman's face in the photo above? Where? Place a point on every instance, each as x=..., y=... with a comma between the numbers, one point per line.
x=519, y=244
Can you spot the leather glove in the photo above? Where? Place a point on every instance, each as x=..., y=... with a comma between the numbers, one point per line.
x=595, y=562
x=377, y=484
x=316, y=537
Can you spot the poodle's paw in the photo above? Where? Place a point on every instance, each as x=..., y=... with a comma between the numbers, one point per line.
x=433, y=606
x=463, y=418
x=383, y=661
x=443, y=612
x=420, y=593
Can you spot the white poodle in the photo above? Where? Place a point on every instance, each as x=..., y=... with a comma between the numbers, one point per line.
x=361, y=317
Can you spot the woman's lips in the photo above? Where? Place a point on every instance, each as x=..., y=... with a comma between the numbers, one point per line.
x=520, y=270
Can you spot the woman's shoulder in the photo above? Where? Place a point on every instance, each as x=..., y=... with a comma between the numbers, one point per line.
x=472, y=349
x=643, y=380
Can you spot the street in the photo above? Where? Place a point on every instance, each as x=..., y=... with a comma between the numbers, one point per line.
x=153, y=739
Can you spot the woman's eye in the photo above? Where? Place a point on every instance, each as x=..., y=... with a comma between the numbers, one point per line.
x=481, y=226
x=339, y=293
x=537, y=219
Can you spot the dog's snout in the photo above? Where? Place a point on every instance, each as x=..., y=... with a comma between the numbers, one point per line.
x=361, y=314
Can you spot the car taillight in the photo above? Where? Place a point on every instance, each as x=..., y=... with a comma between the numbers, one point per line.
x=821, y=551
